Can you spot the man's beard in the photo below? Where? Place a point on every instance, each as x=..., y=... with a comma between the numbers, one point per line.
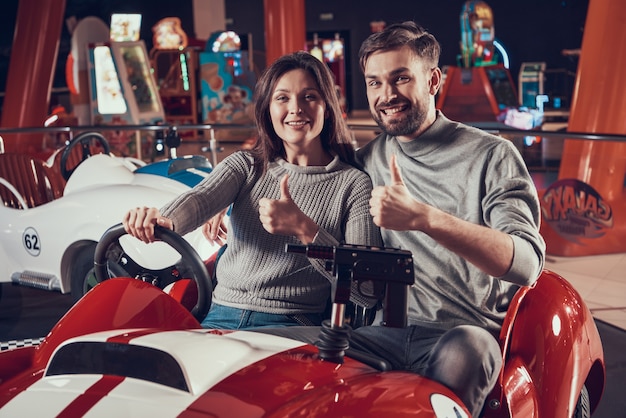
x=405, y=126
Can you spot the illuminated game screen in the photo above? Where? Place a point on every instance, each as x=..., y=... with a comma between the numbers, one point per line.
x=138, y=76
x=502, y=88
x=333, y=49
x=109, y=91
x=125, y=27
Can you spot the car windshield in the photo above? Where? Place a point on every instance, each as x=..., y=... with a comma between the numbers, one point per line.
x=117, y=359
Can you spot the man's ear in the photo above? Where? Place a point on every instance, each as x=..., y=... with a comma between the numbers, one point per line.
x=436, y=76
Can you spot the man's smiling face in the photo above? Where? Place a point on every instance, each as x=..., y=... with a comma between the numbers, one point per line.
x=399, y=91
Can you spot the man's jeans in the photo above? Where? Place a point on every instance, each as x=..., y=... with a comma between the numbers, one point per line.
x=466, y=359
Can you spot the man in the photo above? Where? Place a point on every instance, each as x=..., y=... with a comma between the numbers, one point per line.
x=462, y=201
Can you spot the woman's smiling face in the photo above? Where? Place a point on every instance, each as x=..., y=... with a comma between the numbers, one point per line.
x=297, y=109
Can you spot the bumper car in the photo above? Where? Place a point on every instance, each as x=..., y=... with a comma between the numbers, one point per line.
x=53, y=213
x=129, y=348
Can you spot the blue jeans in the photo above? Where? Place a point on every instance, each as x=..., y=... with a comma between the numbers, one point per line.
x=467, y=359
x=225, y=317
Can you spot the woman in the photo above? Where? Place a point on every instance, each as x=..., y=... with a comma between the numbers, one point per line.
x=296, y=185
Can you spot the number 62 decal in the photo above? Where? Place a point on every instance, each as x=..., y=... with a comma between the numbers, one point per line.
x=31, y=241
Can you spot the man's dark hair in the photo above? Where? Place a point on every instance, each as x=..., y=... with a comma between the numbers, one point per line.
x=398, y=35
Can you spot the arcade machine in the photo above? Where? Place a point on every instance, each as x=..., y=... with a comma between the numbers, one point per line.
x=87, y=31
x=530, y=84
x=175, y=67
x=480, y=89
x=122, y=88
x=227, y=81
x=331, y=50
x=539, y=91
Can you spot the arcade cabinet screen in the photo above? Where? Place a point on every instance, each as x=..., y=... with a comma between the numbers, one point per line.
x=109, y=91
x=333, y=49
x=138, y=75
x=125, y=27
x=502, y=88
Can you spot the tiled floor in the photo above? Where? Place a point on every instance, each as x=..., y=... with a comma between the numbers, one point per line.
x=600, y=280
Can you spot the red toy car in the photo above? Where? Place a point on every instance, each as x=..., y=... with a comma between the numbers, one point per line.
x=128, y=348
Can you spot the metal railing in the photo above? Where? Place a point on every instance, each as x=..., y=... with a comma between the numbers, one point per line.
x=355, y=127
x=212, y=131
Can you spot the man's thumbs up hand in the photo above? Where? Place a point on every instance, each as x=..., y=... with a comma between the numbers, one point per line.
x=396, y=175
x=392, y=206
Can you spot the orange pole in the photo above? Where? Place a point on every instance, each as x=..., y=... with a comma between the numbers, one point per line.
x=285, y=28
x=577, y=221
x=31, y=71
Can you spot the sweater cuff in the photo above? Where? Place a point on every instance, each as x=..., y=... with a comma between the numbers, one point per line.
x=525, y=268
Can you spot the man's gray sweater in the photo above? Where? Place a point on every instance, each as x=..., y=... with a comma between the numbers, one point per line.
x=482, y=179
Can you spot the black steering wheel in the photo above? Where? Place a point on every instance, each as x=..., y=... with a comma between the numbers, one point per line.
x=85, y=140
x=190, y=262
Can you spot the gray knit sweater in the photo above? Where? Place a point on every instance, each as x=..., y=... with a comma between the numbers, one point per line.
x=480, y=178
x=255, y=272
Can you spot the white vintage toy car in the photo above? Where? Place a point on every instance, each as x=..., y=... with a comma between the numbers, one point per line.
x=49, y=227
